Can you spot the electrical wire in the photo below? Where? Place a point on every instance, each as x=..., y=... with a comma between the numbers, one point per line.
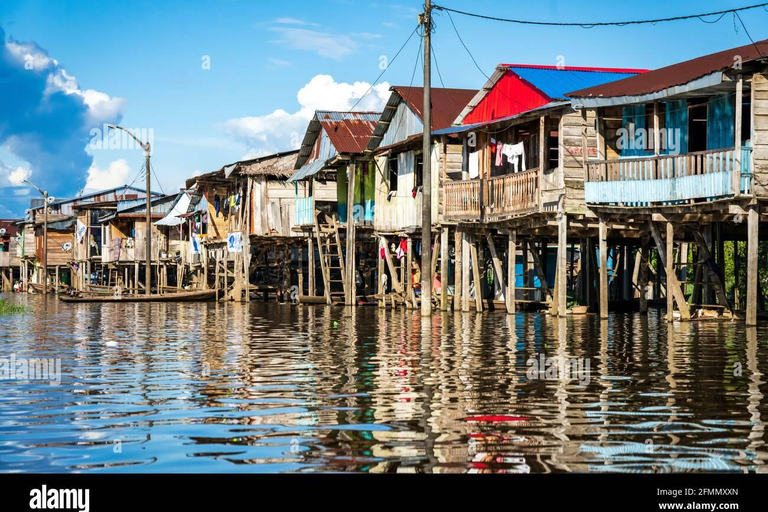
x=603, y=23
x=383, y=71
x=437, y=67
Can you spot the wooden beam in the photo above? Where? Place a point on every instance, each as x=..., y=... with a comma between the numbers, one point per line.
x=674, y=291
x=562, y=251
x=752, y=270
x=465, y=262
x=457, y=269
x=645, y=261
x=509, y=293
x=409, y=293
x=443, y=267
x=712, y=270
x=603, y=268
x=351, y=283
x=540, y=271
x=396, y=285
x=736, y=172
x=497, y=268
x=476, y=277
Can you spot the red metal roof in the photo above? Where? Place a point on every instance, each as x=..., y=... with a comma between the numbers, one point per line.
x=447, y=104
x=348, y=131
x=10, y=227
x=676, y=74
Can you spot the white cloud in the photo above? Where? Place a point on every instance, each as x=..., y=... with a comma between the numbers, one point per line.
x=279, y=62
x=325, y=44
x=115, y=175
x=282, y=130
x=294, y=21
x=18, y=175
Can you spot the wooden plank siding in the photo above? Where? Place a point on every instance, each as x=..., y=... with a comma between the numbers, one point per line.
x=760, y=133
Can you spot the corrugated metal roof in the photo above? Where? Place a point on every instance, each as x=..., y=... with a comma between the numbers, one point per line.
x=677, y=74
x=555, y=82
x=160, y=207
x=348, y=132
x=552, y=81
x=446, y=105
x=310, y=169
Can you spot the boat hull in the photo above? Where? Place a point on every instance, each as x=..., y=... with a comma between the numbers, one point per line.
x=197, y=296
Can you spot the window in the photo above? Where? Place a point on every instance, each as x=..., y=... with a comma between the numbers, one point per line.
x=392, y=163
x=650, y=142
x=419, y=170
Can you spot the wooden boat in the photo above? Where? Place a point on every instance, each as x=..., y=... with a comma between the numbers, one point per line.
x=40, y=288
x=193, y=296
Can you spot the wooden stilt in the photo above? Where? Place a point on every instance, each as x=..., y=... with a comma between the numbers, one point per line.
x=645, y=261
x=603, y=268
x=509, y=294
x=457, y=269
x=408, y=278
x=444, y=268
x=539, y=269
x=710, y=267
x=736, y=276
x=497, y=268
x=560, y=268
x=674, y=291
x=752, y=275
x=311, y=266
x=350, y=280
x=476, y=277
x=465, y=274
x=380, y=274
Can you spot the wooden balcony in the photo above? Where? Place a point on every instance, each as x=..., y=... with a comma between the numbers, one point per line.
x=493, y=198
x=669, y=179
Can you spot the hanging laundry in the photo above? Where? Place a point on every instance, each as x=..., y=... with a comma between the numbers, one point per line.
x=217, y=204
x=474, y=169
x=512, y=151
x=402, y=249
x=383, y=253
x=499, y=154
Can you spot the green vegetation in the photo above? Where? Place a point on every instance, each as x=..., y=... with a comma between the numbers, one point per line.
x=6, y=308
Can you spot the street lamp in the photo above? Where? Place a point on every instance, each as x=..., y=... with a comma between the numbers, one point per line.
x=146, y=147
x=45, y=236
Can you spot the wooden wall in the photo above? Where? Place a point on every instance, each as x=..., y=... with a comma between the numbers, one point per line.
x=760, y=133
x=572, y=126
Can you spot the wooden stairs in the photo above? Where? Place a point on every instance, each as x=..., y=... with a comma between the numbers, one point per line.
x=331, y=257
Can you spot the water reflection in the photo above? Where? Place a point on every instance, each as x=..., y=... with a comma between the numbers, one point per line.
x=230, y=387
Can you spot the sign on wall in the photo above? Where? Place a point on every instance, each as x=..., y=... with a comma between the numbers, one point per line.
x=235, y=242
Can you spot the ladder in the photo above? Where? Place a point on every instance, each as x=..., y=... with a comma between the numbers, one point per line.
x=331, y=257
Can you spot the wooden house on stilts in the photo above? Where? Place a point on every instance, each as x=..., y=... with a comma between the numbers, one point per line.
x=683, y=158
x=396, y=152
x=335, y=207
x=520, y=190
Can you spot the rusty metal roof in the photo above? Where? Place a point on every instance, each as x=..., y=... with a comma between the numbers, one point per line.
x=347, y=132
x=447, y=104
x=675, y=75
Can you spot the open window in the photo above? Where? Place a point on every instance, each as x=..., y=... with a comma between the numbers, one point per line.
x=419, y=170
x=392, y=176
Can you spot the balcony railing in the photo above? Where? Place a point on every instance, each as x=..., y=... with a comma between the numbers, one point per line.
x=668, y=179
x=492, y=198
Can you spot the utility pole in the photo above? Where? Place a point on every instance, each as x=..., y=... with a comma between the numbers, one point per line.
x=45, y=236
x=147, y=149
x=426, y=193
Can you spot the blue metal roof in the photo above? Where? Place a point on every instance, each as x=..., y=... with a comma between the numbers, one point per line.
x=555, y=83
x=307, y=170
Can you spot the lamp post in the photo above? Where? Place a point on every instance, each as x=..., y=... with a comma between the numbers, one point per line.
x=146, y=147
x=45, y=236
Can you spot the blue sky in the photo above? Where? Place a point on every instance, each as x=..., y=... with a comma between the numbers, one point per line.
x=144, y=65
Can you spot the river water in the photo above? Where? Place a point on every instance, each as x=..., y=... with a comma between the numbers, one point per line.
x=226, y=387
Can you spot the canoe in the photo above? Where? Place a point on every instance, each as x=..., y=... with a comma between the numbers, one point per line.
x=39, y=288
x=201, y=295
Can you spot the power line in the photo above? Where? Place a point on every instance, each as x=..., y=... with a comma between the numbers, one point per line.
x=385, y=70
x=437, y=66
x=525, y=107
x=749, y=36
x=156, y=178
x=603, y=23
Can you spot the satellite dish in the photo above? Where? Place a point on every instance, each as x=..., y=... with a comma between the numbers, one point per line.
x=51, y=199
x=67, y=246
x=2, y=231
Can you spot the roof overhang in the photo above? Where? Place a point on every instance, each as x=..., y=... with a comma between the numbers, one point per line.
x=710, y=80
